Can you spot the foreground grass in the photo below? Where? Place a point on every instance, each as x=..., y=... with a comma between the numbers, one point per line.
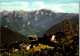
x=27, y=52
x=38, y=48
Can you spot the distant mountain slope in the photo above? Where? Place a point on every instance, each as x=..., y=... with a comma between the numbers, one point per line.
x=29, y=22
x=8, y=36
x=58, y=27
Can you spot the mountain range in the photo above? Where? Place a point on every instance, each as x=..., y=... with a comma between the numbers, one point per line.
x=33, y=22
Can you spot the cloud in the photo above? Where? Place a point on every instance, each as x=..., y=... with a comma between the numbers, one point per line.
x=14, y=5
x=57, y=9
x=65, y=0
x=28, y=6
x=40, y=4
x=68, y=4
x=69, y=7
x=4, y=3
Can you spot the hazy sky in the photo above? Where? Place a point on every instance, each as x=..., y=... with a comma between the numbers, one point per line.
x=69, y=6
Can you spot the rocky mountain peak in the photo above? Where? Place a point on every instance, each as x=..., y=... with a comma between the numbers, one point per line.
x=4, y=12
x=37, y=12
x=48, y=11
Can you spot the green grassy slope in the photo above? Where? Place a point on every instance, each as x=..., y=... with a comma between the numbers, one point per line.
x=8, y=36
